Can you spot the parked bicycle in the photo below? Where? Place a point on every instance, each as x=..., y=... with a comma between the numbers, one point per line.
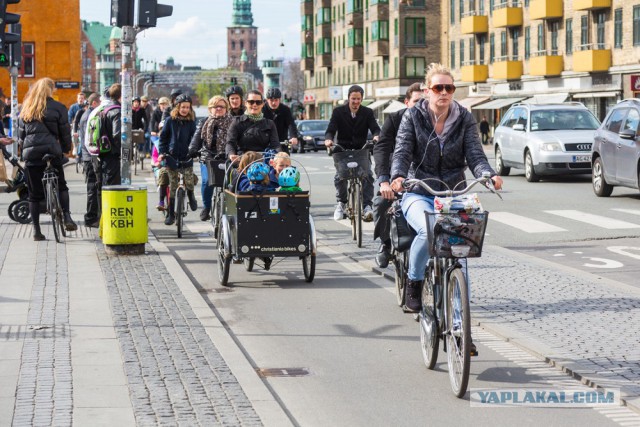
x=454, y=232
x=52, y=198
x=354, y=166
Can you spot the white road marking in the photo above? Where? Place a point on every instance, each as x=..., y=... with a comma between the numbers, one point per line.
x=523, y=223
x=605, y=263
x=597, y=220
x=629, y=211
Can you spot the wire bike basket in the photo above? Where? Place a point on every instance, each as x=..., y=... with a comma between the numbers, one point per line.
x=456, y=234
x=352, y=161
x=215, y=172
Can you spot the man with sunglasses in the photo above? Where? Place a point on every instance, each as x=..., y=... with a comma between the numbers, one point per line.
x=352, y=122
x=438, y=139
x=251, y=131
x=382, y=153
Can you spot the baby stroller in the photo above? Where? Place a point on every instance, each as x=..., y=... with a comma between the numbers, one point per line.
x=18, y=209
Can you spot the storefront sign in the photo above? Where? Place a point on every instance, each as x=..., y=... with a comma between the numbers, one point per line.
x=67, y=85
x=335, y=92
x=635, y=83
x=309, y=97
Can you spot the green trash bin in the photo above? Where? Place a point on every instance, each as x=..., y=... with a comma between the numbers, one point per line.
x=124, y=217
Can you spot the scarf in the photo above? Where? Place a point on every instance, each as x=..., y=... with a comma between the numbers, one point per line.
x=256, y=117
x=216, y=124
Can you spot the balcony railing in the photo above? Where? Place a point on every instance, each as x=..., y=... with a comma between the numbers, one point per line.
x=591, y=46
x=546, y=52
x=507, y=4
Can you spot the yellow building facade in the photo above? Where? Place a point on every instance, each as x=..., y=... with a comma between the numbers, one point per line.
x=51, y=47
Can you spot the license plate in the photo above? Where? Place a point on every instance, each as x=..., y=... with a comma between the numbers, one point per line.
x=582, y=159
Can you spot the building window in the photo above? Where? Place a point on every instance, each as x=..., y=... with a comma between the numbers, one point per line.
x=481, y=7
x=354, y=6
x=414, y=67
x=453, y=55
x=481, y=41
x=472, y=51
x=323, y=46
x=636, y=25
x=385, y=68
x=452, y=6
x=461, y=52
x=354, y=37
x=503, y=44
x=490, y=7
x=323, y=16
x=414, y=31
x=541, y=45
x=617, y=28
x=28, y=66
x=600, y=30
x=307, y=22
x=527, y=42
x=584, y=30
x=568, y=30
x=515, y=40
x=554, y=38
x=396, y=61
x=380, y=30
x=461, y=9
x=307, y=50
x=492, y=48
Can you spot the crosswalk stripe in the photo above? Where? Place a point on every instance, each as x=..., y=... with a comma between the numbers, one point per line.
x=597, y=220
x=629, y=211
x=523, y=223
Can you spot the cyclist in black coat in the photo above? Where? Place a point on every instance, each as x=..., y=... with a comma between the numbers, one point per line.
x=43, y=128
x=281, y=115
x=251, y=131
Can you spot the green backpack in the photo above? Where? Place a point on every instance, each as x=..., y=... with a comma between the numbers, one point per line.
x=97, y=141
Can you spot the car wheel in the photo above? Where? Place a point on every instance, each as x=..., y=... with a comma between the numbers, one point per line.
x=501, y=169
x=600, y=185
x=529, y=172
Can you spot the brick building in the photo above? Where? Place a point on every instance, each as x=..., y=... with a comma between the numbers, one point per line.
x=43, y=55
x=384, y=46
x=242, y=39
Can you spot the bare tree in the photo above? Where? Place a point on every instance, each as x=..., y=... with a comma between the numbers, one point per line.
x=293, y=84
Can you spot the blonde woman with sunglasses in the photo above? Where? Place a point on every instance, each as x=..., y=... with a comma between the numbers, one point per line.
x=437, y=138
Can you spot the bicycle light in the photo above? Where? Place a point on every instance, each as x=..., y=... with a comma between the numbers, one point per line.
x=352, y=165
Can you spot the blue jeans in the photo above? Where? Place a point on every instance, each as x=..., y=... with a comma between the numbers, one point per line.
x=205, y=188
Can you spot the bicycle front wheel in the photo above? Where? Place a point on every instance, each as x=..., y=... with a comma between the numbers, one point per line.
x=429, y=336
x=352, y=208
x=358, y=214
x=216, y=211
x=459, y=335
x=180, y=210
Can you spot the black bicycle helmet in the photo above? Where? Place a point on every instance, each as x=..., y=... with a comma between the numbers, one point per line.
x=183, y=98
x=274, y=93
x=137, y=98
x=234, y=90
x=175, y=93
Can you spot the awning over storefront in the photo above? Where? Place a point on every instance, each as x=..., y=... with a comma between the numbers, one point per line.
x=379, y=103
x=470, y=102
x=548, y=98
x=595, y=95
x=497, y=104
x=393, y=107
x=366, y=102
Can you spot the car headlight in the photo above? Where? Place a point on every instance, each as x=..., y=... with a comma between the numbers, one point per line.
x=550, y=146
x=308, y=138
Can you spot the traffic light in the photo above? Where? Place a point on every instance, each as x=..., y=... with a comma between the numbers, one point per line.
x=7, y=39
x=234, y=81
x=15, y=49
x=121, y=13
x=149, y=11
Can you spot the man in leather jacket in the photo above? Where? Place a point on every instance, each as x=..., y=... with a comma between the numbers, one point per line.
x=281, y=115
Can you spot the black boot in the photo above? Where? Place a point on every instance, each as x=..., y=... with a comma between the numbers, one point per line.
x=193, y=203
x=413, y=301
x=34, y=210
x=69, y=225
x=171, y=213
x=383, y=256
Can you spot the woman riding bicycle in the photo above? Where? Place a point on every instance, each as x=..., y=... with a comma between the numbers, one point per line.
x=43, y=128
x=437, y=138
x=209, y=140
x=251, y=131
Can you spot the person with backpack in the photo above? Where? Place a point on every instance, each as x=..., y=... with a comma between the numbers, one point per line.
x=92, y=215
x=43, y=128
x=175, y=138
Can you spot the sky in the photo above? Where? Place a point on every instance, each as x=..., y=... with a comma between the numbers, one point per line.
x=196, y=33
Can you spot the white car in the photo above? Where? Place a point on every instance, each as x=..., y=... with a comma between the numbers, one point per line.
x=545, y=139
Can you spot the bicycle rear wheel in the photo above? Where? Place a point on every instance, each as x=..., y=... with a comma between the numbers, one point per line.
x=358, y=214
x=52, y=207
x=401, y=265
x=180, y=210
x=459, y=337
x=429, y=337
x=135, y=159
x=352, y=208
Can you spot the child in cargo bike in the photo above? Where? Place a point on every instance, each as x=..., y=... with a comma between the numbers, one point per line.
x=176, y=135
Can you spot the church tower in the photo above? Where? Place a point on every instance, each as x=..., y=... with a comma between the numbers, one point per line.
x=242, y=36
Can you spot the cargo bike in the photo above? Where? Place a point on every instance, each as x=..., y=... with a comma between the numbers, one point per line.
x=258, y=227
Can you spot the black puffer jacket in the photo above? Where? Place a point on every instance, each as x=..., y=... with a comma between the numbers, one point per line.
x=418, y=148
x=246, y=135
x=175, y=138
x=52, y=135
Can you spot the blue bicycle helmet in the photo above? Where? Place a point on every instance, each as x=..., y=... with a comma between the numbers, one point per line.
x=257, y=172
x=289, y=177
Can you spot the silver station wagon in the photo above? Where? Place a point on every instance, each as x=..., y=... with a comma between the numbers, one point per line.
x=616, y=149
x=545, y=139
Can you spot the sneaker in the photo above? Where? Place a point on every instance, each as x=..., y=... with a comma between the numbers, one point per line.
x=38, y=237
x=92, y=224
x=161, y=207
x=339, y=213
x=205, y=215
x=193, y=203
x=367, y=214
x=383, y=256
x=170, y=219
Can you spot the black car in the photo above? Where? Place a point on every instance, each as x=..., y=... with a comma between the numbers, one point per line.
x=312, y=133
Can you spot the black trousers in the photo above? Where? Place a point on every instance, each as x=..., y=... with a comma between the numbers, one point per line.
x=110, y=166
x=92, y=214
x=34, y=181
x=381, y=221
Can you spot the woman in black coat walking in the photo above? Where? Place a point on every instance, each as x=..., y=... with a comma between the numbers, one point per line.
x=43, y=128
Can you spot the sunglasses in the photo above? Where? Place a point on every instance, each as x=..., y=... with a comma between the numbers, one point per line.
x=439, y=88
x=219, y=107
x=254, y=101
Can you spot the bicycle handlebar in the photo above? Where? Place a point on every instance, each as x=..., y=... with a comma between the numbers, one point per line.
x=337, y=148
x=484, y=180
